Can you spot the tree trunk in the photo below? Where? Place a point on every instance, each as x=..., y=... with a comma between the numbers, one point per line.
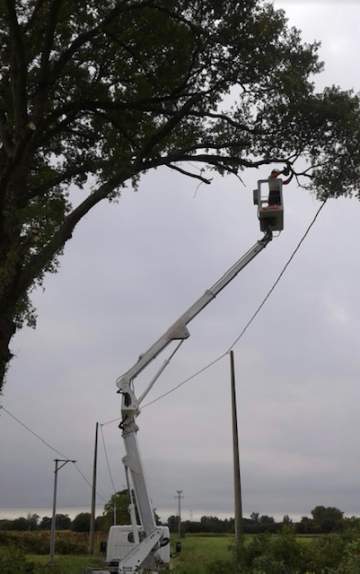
x=7, y=330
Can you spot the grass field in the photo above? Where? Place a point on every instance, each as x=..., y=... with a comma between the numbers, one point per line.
x=198, y=552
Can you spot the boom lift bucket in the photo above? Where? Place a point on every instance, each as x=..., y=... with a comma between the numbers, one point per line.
x=269, y=199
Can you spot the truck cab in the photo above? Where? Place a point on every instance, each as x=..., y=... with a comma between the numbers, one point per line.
x=121, y=543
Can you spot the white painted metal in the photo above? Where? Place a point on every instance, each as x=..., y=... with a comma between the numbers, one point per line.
x=179, y=330
x=271, y=216
x=121, y=545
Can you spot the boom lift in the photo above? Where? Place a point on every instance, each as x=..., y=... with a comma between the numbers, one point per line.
x=146, y=547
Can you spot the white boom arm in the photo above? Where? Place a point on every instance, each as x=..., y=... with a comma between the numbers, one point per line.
x=145, y=554
x=178, y=330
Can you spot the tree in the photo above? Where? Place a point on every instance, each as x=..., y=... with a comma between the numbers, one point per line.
x=33, y=521
x=45, y=523
x=19, y=524
x=173, y=522
x=255, y=516
x=327, y=518
x=119, y=501
x=63, y=522
x=81, y=522
x=305, y=526
x=93, y=95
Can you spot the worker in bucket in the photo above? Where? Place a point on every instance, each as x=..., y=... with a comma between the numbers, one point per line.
x=275, y=186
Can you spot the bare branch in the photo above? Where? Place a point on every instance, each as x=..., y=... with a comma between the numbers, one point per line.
x=226, y=119
x=189, y=173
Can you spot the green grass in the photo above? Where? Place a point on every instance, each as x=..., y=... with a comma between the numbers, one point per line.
x=199, y=551
x=63, y=564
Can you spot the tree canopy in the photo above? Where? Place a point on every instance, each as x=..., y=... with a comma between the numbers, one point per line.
x=95, y=94
x=116, y=509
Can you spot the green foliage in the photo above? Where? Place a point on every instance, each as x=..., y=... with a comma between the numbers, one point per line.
x=120, y=500
x=326, y=552
x=13, y=560
x=95, y=94
x=327, y=519
x=39, y=542
x=63, y=522
x=284, y=554
x=350, y=563
x=81, y=522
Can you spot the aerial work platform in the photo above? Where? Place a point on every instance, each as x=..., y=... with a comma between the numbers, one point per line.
x=268, y=197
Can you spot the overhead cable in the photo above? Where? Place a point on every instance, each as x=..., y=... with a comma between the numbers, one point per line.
x=277, y=280
x=107, y=460
x=51, y=447
x=252, y=318
x=35, y=434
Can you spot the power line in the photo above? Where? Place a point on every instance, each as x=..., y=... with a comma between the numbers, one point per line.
x=202, y=370
x=100, y=495
x=35, y=434
x=252, y=318
x=107, y=460
x=245, y=328
x=51, y=447
x=277, y=280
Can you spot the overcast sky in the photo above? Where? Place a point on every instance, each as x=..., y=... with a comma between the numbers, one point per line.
x=130, y=270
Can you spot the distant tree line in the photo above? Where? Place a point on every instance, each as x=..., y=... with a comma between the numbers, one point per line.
x=324, y=519
x=80, y=523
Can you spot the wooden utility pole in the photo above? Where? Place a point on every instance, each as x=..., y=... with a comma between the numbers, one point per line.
x=236, y=455
x=93, y=496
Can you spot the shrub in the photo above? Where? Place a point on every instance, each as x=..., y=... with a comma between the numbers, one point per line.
x=13, y=560
x=350, y=563
x=325, y=553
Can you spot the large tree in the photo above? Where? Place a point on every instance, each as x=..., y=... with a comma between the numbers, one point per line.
x=327, y=518
x=94, y=94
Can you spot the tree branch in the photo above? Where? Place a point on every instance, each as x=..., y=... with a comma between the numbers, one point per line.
x=39, y=261
x=85, y=37
x=59, y=179
x=189, y=173
x=165, y=130
x=49, y=39
x=18, y=66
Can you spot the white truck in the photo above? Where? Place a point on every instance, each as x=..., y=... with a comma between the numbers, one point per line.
x=146, y=547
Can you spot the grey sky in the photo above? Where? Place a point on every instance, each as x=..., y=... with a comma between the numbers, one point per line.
x=131, y=269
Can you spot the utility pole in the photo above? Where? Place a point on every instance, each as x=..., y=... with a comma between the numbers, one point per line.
x=93, y=495
x=53, y=520
x=236, y=456
x=179, y=496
